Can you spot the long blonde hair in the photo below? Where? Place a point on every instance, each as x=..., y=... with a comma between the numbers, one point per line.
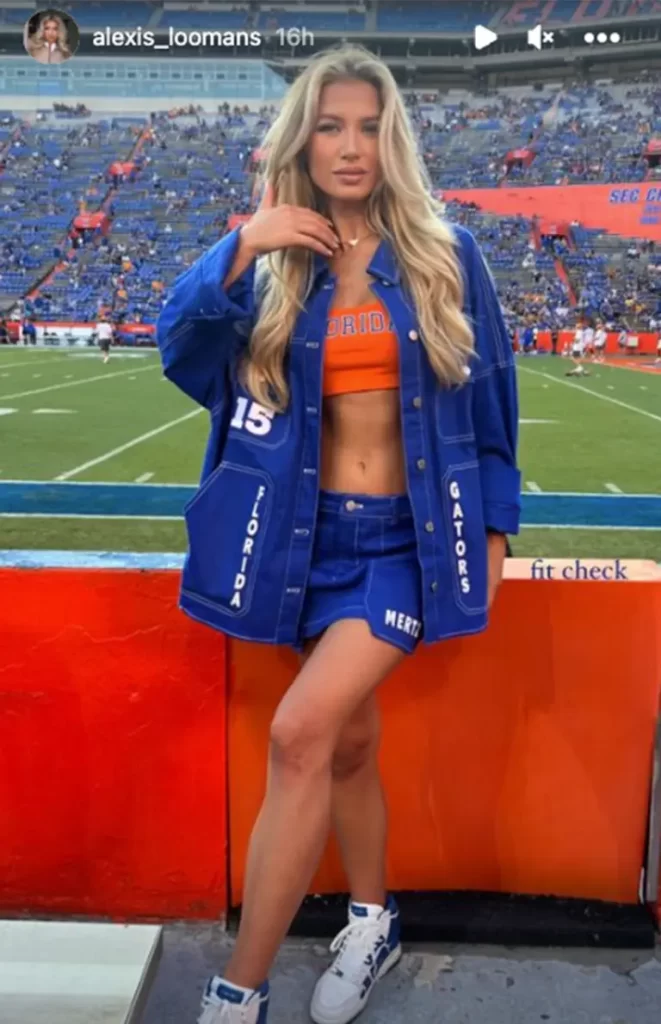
x=401, y=209
x=37, y=41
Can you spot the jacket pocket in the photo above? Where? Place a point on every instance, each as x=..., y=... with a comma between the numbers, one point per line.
x=226, y=522
x=454, y=413
x=467, y=540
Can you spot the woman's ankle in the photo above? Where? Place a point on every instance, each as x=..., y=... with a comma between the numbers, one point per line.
x=245, y=980
x=375, y=899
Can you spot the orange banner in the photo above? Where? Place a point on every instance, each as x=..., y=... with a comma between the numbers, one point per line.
x=236, y=219
x=633, y=210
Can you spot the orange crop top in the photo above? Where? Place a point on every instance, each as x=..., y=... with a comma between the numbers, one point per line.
x=361, y=351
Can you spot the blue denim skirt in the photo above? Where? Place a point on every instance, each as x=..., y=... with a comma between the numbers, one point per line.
x=365, y=566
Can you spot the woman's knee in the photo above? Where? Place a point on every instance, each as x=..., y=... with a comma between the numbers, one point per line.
x=357, y=746
x=299, y=743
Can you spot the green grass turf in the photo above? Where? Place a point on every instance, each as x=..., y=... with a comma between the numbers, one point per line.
x=605, y=429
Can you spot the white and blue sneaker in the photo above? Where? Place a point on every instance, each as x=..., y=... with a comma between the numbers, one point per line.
x=223, y=1003
x=366, y=950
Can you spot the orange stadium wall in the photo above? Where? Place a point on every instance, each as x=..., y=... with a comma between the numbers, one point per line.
x=516, y=761
x=112, y=748
x=632, y=210
x=133, y=746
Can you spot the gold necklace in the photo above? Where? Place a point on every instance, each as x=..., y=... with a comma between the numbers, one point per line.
x=353, y=242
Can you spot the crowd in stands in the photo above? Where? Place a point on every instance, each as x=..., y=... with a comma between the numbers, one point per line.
x=46, y=173
x=194, y=170
x=629, y=293
x=72, y=110
x=528, y=285
x=585, y=134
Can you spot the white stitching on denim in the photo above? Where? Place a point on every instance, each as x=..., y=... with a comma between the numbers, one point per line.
x=475, y=465
x=260, y=474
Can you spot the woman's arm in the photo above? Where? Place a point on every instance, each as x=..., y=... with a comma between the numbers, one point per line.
x=495, y=412
x=199, y=329
x=495, y=399
x=245, y=257
x=207, y=317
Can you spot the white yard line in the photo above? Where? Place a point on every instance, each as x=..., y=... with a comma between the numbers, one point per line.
x=75, y=383
x=613, y=488
x=4, y=366
x=144, y=478
x=532, y=486
x=129, y=444
x=594, y=394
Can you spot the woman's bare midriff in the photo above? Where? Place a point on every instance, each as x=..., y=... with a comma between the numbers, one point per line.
x=361, y=446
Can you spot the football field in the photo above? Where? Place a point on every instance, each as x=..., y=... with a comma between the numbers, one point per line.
x=98, y=457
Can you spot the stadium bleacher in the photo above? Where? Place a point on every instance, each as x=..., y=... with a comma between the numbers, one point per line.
x=195, y=174
x=394, y=16
x=92, y=14
x=48, y=171
x=423, y=17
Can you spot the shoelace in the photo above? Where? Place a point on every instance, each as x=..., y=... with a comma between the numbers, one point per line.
x=355, y=946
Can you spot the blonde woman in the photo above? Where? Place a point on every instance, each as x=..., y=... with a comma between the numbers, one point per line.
x=359, y=483
x=50, y=42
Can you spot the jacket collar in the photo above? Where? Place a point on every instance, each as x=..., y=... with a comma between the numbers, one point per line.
x=383, y=265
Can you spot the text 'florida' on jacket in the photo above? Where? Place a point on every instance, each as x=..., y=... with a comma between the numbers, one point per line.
x=251, y=523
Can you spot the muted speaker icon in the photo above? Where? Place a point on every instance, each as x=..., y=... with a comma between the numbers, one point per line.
x=535, y=37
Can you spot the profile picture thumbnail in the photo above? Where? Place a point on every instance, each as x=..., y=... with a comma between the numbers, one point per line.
x=51, y=36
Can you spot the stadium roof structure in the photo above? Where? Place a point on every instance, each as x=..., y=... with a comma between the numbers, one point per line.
x=426, y=44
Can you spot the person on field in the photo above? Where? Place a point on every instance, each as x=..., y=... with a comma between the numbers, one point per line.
x=104, y=333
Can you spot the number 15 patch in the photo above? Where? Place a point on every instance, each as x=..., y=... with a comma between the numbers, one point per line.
x=253, y=417
x=259, y=425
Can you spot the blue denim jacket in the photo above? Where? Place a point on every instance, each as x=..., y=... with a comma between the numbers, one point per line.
x=251, y=523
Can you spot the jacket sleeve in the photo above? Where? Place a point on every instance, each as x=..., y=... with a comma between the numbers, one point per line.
x=495, y=399
x=202, y=325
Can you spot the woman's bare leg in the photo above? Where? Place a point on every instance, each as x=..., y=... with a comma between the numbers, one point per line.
x=358, y=805
x=293, y=825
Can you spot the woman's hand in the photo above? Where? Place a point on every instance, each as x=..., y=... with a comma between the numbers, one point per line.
x=277, y=227
x=496, y=549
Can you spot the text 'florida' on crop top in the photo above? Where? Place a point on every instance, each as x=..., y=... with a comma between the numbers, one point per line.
x=361, y=351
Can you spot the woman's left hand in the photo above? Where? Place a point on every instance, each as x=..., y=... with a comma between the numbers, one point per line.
x=496, y=549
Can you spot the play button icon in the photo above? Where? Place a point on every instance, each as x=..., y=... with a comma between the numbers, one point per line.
x=484, y=37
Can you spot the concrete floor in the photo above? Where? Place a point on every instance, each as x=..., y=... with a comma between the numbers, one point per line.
x=447, y=984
